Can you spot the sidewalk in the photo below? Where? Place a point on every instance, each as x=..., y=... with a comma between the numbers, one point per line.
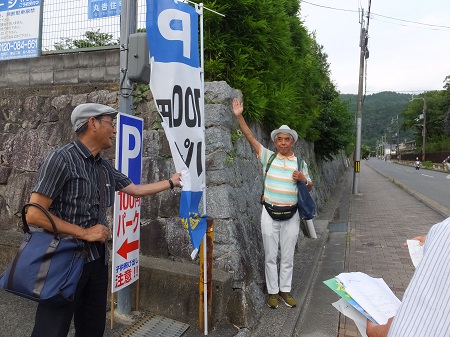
x=381, y=218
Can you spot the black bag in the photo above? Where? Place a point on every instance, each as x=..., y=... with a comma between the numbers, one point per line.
x=47, y=266
x=280, y=213
x=306, y=205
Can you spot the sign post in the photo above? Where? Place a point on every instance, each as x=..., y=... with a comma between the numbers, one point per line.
x=127, y=27
x=126, y=230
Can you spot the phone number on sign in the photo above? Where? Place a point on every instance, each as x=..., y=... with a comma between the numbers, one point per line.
x=18, y=45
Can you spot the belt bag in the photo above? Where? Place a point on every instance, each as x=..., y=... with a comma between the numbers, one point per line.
x=47, y=266
x=280, y=213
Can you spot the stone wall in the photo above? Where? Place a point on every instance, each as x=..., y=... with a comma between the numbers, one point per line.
x=36, y=118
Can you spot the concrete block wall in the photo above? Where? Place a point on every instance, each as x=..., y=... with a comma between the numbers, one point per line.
x=57, y=69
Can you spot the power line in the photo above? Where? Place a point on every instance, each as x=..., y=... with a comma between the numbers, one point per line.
x=415, y=22
x=427, y=25
x=336, y=9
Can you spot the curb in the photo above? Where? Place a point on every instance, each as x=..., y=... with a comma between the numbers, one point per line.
x=309, y=280
x=444, y=211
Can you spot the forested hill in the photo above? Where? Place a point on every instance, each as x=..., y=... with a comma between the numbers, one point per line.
x=377, y=113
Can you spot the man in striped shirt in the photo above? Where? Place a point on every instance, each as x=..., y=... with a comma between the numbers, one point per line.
x=68, y=184
x=279, y=196
x=425, y=309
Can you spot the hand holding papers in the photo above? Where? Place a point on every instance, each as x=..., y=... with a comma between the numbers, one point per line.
x=371, y=298
x=415, y=251
x=372, y=294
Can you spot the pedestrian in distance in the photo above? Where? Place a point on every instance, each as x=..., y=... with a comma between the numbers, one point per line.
x=417, y=163
x=446, y=163
x=425, y=308
x=67, y=184
x=279, y=217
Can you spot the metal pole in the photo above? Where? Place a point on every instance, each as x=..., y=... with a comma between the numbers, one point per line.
x=362, y=54
x=199, y=8
x=424, y=131
x=127, y=27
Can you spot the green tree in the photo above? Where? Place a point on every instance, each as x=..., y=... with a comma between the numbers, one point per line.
x=90, y=39
x=437, y=105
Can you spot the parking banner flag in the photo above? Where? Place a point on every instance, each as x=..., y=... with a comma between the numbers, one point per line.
x=177, y=87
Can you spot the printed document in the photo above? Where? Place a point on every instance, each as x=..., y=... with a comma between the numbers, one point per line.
x=373, y=294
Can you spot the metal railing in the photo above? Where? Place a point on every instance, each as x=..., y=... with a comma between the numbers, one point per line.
x=66, y=25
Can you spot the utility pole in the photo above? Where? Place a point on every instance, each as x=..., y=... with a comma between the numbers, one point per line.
x=363, y=55
x=128, y=19
x=424, y=128
x=424, y=123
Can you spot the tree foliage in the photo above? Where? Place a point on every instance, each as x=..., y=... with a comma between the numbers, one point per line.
x=436, y=105
x=262, y=48
x=90, y=39
x=379, y=116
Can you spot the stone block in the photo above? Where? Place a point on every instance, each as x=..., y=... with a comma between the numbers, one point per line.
x=91, y=60
x=69, y=76
x=14, y=79
x=88, y=75
x=219, y=114
x=171, y=289
x=112, y=73
x=41, y=78
x=112, y=57
x=9, y=243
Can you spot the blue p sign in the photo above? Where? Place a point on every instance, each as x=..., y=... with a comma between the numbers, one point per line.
x=129, y=146
x=173, y=27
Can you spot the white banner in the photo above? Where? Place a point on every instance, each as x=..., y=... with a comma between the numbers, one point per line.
x=176, y=84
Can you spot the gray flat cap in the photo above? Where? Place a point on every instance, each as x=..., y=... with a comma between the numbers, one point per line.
x=82, y=113
x=284, y=129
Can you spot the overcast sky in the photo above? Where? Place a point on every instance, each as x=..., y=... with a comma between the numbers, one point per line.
x=403, y=56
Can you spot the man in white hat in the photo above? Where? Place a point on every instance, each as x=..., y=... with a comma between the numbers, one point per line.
x=68, y=184
x=280, y=220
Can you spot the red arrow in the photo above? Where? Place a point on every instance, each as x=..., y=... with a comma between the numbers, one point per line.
x=127, y=248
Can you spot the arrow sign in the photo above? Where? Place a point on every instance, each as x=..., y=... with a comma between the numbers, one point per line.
x=127, y=248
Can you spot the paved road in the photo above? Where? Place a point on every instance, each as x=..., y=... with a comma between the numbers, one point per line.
x=432, y=184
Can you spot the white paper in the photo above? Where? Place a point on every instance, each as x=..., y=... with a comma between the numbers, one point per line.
x=372, y=294
x=415, y=251
x=349, y=311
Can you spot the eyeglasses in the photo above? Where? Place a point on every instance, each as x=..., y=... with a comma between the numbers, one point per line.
x=112, y=123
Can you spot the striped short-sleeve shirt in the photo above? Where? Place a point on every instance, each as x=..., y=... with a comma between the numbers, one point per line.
x=280, y=188
x=69, y=176
x=425, y=309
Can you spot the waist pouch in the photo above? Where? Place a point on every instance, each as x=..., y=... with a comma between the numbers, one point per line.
x=280, y=213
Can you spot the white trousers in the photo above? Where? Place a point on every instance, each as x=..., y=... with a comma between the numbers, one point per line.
x=285, y=235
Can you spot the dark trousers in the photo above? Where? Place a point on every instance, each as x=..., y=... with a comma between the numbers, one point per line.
x=88, y=309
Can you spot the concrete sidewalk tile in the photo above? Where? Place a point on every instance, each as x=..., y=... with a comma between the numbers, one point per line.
x=382, y=217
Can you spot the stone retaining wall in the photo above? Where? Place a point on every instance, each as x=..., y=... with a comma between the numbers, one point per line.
x=35, y=118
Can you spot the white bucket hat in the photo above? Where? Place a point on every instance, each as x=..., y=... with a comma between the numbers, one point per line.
x=284, y=129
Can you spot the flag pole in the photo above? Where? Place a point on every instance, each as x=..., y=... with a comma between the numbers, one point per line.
x=205, y=268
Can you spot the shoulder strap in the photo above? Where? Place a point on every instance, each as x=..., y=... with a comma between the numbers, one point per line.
x=300, y=163
x=269, y=162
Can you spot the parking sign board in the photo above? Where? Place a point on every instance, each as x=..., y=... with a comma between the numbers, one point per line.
x=126, y=230
x=20, y=29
